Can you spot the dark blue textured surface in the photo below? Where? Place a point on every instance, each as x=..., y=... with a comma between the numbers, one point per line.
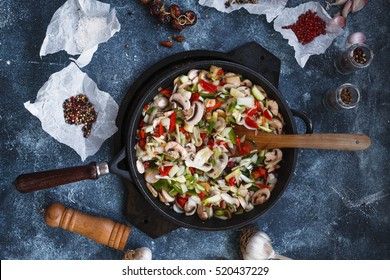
x=337, y=205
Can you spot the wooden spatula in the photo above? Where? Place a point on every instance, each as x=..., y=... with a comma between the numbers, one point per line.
x=264, y=140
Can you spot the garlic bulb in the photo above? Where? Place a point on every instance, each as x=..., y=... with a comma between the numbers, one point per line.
x=142, y=253
x=256, y=245
x=355, y=38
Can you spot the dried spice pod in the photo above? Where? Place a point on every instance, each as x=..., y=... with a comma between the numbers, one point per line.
x=164, y=18
x=179, y=38
x=155, y=8
x=190, y=17
x=177, y=25
x=167, y=44
x=175, y=10
x=145, y=2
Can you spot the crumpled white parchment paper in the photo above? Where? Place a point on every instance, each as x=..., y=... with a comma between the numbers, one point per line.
x=320, y=44
x=270, y=8
x=60, y=34
x=68, y=82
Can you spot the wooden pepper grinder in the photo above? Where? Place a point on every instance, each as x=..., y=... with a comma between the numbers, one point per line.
x=101, y=230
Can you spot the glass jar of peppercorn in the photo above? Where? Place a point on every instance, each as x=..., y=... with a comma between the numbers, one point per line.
x=346, y=96
x=356, y=57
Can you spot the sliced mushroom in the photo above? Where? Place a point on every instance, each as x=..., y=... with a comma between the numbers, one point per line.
x=177, y=208
x=220, y=164
x=215, y=72
x=196, y=136
x=167, y=197
x=225, y=88
x=199, y=160
x=152, y=189
x=197, y=114
x=161, y=102
x=193, y=74
x=234, y=80
x=261, y=196
x=150, y=175
x=181, y=99
x=220, y=125
x=190, y=148
x=176, y=150
x=204, y=212
x=140, y=167
x=273, y=157
x=273, y=107
x=190, y=207
x=246, y=90
x=277, y=124
x=204, y=75
x=246, y=83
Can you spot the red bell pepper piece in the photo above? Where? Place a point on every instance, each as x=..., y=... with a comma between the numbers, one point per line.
x=218, y=103
x=194, y=97
x=262, y=171
x=160, y=129
x=245, y=148
x=267, y=114
x=172, y=123
x=141, y=123
x=251, y=112
x=220, y=72
x=192, y=170
x=263, y=186
x=142, y=143
x=232, y=181
x=164, y=171
x=238, y=143
x=201, y=195
x=251, y=123
x=257, y=104
x=207, y=86
x=166, y=92
x=181, y=200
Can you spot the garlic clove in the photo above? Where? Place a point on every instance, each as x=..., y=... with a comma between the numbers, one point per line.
x=355, y=38
x=339, y=20
x=142, y=253
x=347, y=8
x=357, y=5
x=339, y=2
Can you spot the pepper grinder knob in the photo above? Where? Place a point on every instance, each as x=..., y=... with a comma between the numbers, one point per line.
x=101, y=230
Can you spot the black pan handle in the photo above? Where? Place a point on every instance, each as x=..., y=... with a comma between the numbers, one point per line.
x=305, y=119
x=51, y=178
x=114, y=165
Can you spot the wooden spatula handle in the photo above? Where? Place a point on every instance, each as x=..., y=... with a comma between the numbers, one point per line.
x=101, y=230
x=350, y=142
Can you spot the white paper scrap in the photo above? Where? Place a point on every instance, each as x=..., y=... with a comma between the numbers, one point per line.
x=270, y=8
x=320, y=44
x=78, y=27
x=62, y=85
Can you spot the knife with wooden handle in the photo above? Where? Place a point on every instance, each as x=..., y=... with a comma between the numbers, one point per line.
x=101, y=230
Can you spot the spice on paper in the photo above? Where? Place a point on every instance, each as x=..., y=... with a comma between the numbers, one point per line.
x=308, y=26
x=88, y=29
x=79, y=110
x=229, y=2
